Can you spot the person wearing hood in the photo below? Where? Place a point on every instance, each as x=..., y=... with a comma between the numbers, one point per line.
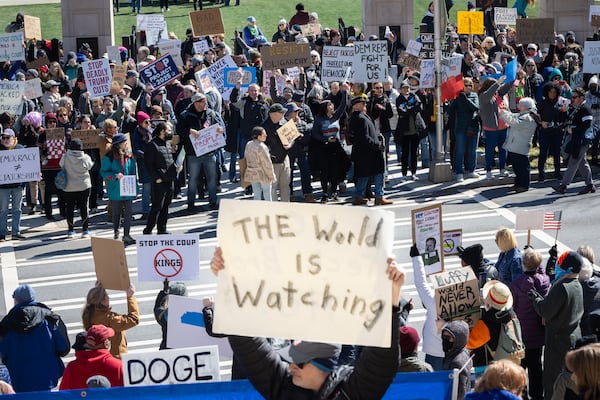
x=556, y=76
x=16, y=25
x=552, y=111
x=10, y=193
x=522, y=127
x=428, y=18
x=532, y=327
x=455, y=335
x=161, y=306
x=34, y=338
x=472, y=256
x=77, y=165
x=579, y=120
x=592, y=99
x=502, y=380
x=95, y=359
x=561, y=310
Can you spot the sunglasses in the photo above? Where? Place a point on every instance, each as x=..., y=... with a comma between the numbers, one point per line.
x=468, y=85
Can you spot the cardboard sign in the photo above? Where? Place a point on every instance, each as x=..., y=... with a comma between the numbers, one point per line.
x=370, y=61
x=409, y=60
x=288, y=132
x=285, y=55
x=113, y=54
x=11, y=95
x=209, y=139
x=591, y=57
x=427, y=74
x=595, y=20
x=172, y=48
x=172, y=257
x=11, y=47
x=505, y=16
x=310, y=30
x=247, y=76
x=414, y=47
x=168, y=367
x=19, y=165
x=33, y=88
x=89, y=137
x=186, y=327
x=470, y=22
x=452, y=240
x=296, y=270
x=427, y=234
x=457, y=295
x=119, y=73
x=216, y=72
x=200, y=46
x=335, y=61
x=33, y=28
x=110, y=263
x=98, y=77
x=207, y=22
x=529, y=219
x=535, y=30
x=594, y=10
x=55, y=134
x=160, y=72
x=38, y=63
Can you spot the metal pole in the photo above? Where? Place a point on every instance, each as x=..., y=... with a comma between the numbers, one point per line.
x=438, y=36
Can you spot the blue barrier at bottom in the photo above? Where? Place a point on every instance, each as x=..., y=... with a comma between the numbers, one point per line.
x=406, y=386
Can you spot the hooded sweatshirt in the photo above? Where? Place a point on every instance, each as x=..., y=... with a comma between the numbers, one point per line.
x=88, y=363
x=457, y=356
x=77, y=165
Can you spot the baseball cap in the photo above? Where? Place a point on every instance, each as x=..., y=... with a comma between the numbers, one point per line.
x=251, y=19
x=97, y=334
x=358, y=99
x=198, y=97
x=323, y=355
x=277, y=108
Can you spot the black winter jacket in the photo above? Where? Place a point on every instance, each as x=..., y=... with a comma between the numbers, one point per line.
x=159, y=160
x=191, y=119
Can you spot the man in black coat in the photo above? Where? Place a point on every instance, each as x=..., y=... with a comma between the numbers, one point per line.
x=253, y=111
x=368, y=152
x=279, y=152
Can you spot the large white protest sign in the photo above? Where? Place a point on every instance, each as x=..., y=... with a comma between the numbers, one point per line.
x=11, y=47
x=591, y=57
x=217, y=74
x=113, y=54
x=173, y=48
x=185, y=327
x=370, y=61
x=128, y=186
x=335, y=62
x=200, y=47
x=19, y=165
x=296, y=270
x=154, y=25
x=414, y=47
x=505, y=16
x=529, y=219
x=208, y=139
x=427, y=234
x=427, y=74
x=11, y=95
x=451, y=67
x=98, y=77
x=173, y=257
x=168, y=367
x=33, y=88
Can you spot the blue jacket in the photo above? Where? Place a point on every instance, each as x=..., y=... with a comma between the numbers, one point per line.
x=509, y=265
x=494, y=394
x=110, y=168
x=34, y=339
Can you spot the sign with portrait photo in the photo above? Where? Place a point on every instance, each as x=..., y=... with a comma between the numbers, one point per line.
x=427, y=234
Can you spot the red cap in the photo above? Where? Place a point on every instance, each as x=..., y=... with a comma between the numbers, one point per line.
x=97, y=334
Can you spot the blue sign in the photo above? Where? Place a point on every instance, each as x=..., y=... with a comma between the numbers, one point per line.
x=245, y=74
x=160, y=72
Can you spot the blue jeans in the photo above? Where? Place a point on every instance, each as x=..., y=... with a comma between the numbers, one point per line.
x=495, y=139
x=304, y=167
x=207, y=163
x=436, y=362
x=262, y=191
x=361, y=185
x=146, y=195
x=433, y=143
x=521, y=168
x=466, y=149
x=137, y=5
x=12, y=197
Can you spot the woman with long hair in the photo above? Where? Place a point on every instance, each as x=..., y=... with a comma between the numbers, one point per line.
x=97, y=311
x=56, y=73
x=584, y=364
x=510, y=259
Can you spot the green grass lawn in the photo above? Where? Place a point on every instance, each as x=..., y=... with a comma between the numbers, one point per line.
x=267, y=12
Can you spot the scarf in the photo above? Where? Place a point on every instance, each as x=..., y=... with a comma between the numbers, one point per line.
x=253, y=30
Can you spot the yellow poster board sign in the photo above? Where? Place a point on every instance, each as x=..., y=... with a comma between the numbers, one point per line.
x=470, y=22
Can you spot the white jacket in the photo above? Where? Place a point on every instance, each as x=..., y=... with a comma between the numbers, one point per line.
x=520, y=131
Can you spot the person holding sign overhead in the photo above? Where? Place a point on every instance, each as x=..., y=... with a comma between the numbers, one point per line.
x=117, y=164
x=307, y=370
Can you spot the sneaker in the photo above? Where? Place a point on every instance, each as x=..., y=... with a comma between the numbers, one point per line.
x=18, y=236
x=488, y=175
x=504, y=173
x=2, y=238
x=415, y=178
x=162, y=9
x=71, y=235
x=85, y=234
x=128, y=240
x=342, y=186
x=460, y=178
x=472, y=175
x=168, y=9
x=411, y=178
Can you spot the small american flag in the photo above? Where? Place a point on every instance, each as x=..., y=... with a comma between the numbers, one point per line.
x=552, y=220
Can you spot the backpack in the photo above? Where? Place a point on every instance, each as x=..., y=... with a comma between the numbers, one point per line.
x=60, y=180
x=590, y=134
x=510, y=342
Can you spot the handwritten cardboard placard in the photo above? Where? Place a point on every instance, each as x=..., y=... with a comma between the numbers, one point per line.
x=535, y=30
x=332, y=262
x=310, y=30
x=335, y=61
x=110, y=263
x=98, y=77
x=33, y=27
x=173, y=257
x=452, y=240
x=245, y=75
x=470, y=22
x=54, y=134
x=172, y=48
x=89, y=137
x=119, y=73
x=370, y=61
x=11, y=47
x=529, y=219
x=19, y=165
x=160, y=72
x=457, y=295
x=11, y=96
x=288, y=132
x=427, y=234
x=168, y=367
x=38, y=63
x=207, y=22
x=594, y=10
x=33, y=88
x=285, y=55
x=591, y=57
x=209, y=139
x=414, y=47
x=505, y=16
x=201, y=46
x=409, y=60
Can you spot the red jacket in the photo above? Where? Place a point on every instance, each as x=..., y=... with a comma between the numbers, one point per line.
x=88, y=363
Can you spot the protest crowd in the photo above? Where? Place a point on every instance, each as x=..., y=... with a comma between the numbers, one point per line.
x=216, y=114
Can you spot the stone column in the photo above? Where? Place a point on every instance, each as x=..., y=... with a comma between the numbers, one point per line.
x=571, y=15
x=377, y=13
x=91, y=20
